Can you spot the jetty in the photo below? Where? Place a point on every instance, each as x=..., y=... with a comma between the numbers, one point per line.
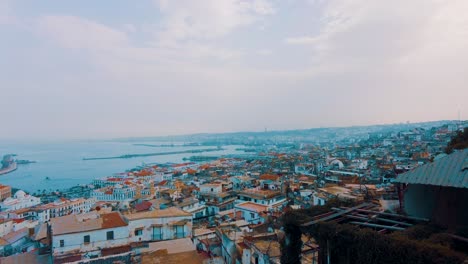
x=129, y=156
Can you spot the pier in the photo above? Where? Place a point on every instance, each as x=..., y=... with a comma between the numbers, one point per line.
x=129, y=156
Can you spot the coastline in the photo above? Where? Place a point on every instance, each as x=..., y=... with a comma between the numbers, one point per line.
x=12, y=167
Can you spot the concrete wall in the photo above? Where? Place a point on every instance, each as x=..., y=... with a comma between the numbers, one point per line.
x=419, y=200
x=444, y=205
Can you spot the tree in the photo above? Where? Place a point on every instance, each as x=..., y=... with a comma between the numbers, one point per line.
x=459, y=141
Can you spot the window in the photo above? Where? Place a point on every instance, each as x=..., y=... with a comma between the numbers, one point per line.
x=86, y=239
x=110, y=235
x=138, y=232
x=62, y=243
x=252, y=215
x=179, y=231
x=157, y=233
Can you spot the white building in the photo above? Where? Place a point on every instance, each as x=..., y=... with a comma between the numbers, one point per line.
x=63, y=207
x=193, y=206
x=274, y=200
x=211, y=188
x=88, y=233
x=117, y=193
x=19, y=201
x=170, y=223
x=252, y=213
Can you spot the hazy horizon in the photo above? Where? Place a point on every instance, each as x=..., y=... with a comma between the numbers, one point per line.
x=120, y=69
x=66, y=139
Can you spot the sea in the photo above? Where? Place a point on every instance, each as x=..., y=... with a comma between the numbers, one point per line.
x=60, y=165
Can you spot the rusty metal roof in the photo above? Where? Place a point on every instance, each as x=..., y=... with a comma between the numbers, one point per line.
x=450, y=171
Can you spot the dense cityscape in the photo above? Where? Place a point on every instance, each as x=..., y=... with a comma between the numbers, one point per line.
x=242, y=208
x=233, y=132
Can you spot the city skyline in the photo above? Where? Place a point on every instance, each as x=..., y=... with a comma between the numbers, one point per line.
x=114, y=69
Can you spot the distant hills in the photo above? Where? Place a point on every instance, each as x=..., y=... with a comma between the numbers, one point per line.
x=303, y=135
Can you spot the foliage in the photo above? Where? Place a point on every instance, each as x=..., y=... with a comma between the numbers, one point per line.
x=291, y=246
x=350, y=244
x=459, y=141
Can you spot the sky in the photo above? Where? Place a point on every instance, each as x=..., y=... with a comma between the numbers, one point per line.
x=115, y=68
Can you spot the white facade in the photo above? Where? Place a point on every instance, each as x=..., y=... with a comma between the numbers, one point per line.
x=251, y=212
x=73, y=206
x=61, y=244
x=117, y=193
x=77, y=234
x=155, y=229
x=162, y=176
x=171, y=223
x=211, y=188
x=19, y=201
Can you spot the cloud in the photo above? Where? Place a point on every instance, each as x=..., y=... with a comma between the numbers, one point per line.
x=6, y=14
x=188, y=19
x=301, y=40
x=265, y=52
x=80, y=33
x=206, y=65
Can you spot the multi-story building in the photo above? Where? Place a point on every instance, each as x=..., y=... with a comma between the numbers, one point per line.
x=274, y=200
x=193, y=206
x=87, y=235
x=19, y=201
x=216, y=198
x=253, y=213
x=167, y=224
x=117, y=193
x=64, y=206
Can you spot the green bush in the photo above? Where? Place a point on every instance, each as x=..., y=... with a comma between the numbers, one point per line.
x=349, y=244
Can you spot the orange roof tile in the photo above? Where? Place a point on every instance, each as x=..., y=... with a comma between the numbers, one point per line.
x=253, y=207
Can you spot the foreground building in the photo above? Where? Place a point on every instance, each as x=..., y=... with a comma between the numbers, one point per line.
x=438, y=190
x=171, y=223
x=78, y=236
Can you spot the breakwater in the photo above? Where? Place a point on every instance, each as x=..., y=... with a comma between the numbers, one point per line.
x=129, y=156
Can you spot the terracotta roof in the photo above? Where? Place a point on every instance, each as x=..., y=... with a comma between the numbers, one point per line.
x=86, y=222
x=260, y=193
x=143, y=206
x=112, y=220
x=269, y=177
x=14, y=236
x=252, y=207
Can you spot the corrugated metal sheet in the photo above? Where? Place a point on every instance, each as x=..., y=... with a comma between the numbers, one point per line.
x=450, y=171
